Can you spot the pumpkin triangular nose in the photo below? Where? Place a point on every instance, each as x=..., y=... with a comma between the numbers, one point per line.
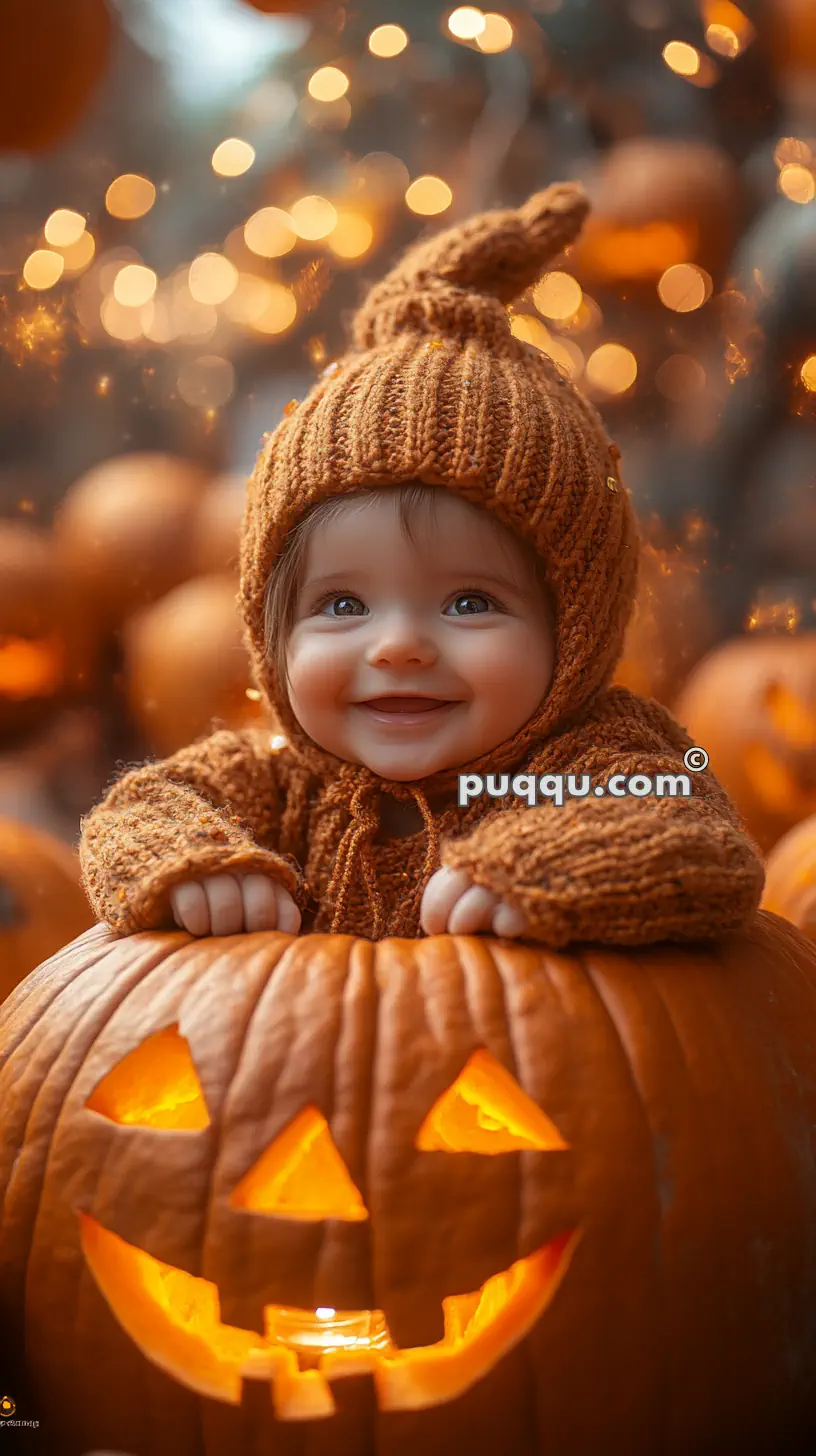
x=301, y=1175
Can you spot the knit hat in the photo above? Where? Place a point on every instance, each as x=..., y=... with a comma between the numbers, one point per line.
x=436, y=388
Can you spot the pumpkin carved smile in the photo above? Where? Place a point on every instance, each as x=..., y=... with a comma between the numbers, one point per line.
x=174, y=1316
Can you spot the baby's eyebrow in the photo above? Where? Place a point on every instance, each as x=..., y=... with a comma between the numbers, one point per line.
x=464, y=573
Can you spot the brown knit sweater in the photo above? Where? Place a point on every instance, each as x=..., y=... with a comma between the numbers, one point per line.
x=624, y=871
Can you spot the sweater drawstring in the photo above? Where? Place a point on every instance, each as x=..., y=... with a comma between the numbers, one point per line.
x=356, y=852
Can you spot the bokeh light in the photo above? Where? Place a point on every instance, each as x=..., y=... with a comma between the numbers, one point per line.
x=387, y=41
x=130, y=196
x=682, y=58
x=466, y=22
x=280, y=311
x=352, y=236
x=497, y=34
x=428, y=195
x=134, y=285
x=64, y=227
x=78, y=255
x=313, y=217
x=557, y=295
x=328, y=84
x=232, y=157
x=796, y=182
x=684, y=287
x=120, y=321
x=207, y=382
x=42, y=268
x=612, y=368
x=807, y=373
x=270, y=232
x=680, y=378
x=212, y=278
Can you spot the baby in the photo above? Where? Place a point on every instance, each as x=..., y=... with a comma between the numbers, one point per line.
x=438, y=563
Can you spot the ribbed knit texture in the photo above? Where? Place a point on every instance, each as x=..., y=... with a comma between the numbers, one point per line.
x=437, y=389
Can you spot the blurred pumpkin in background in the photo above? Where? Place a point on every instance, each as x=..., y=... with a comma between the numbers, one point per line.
x=53, y=56
x=185, y=664
x=218, y=1159
x=123, y=529
x=42, y=904
x=751, y=704
x=216, y=530
x=671, y=626
x=790, y=877
x=657, y=202
x=49, y=644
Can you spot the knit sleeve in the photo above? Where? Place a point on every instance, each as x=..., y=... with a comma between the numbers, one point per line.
x=210, y=808
x=624, y=870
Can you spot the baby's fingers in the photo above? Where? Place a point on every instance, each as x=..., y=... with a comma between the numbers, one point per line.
x=473, y=912
x=288, y=912
x=190, y=907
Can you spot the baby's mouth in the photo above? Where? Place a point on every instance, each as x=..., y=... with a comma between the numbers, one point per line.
x=405, y=705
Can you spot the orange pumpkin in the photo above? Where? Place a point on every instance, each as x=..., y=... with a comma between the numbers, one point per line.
x=49, y=646
x=670, y=628
x=433, y=1195
x=123, y=530
x=658, y=201
x=52, y=58
x=42, y=905
x=215, y=536
x=790, y=879
x=752, y=705
x=186, y=665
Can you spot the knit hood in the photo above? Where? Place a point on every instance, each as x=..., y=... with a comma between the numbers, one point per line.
x=437, y=389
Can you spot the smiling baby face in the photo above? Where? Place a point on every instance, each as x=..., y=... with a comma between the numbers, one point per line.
x=458, y=615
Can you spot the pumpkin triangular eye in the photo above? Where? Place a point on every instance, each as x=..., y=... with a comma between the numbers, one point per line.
x=155, y=1085
x=486, y=1111
x=301, y=1175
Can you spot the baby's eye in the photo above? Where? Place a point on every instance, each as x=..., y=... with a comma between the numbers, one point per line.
x=471, y=597
x=339, y=599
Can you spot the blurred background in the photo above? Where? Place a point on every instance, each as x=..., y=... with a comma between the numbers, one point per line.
x=195, y=194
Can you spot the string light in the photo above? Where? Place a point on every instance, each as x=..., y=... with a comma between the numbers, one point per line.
x=684, y=287
x=130, y=196
x=466, y=22
x=328, y=84
x=387, y=41
x=681, y=58
x=270, y=232
x=212, y=278
x=313, y=217
x=557, y=295
x=232, y=157
x=497, y=34
x=134, y=285
x=353, y=235
x=78, y=255
x=42, y=268
x=612, y=368
x=64, y=228
x=796, y=182
x=428, y=195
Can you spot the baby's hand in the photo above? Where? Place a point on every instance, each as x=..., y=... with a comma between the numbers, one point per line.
x=453, y=905
x=226, y=904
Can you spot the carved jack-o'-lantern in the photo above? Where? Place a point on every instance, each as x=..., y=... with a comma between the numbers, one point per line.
x=49, y=647
x=123, y=530
x=658, y=201
x=433, y=1194
x=42, y=904
x=790, y=879
x=752, y=705
x=186, y=665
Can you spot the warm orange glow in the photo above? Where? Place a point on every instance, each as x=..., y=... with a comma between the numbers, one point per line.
x=557, y=295
x=728, y=31
x=796, y=182
x=154, y=1085
x=212, y=278
x=775, y=785
x=638, y=252
x=428, y=195
x=279, y=312
x=792, y=149
x=130, y=196
x=30, y=668
x=313, y=217
x=301, y=1175
x=270, y=233
x=353, y=235
x=807, y=373
x=42, y=268
x=64, y=228
x=328, y=84
x=78, y=255
x=793, y=720
x=207, y=382
x=531, y=331
x=174, y=1319
x=466, y=22
x=486, y=1111
x=612, y=368
x=251, y=297
x=680, y=377
x=684, y=287
x=232, y=157
x=681, y=58
x=387, y=41
x=134, y=285
x=497, y=34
